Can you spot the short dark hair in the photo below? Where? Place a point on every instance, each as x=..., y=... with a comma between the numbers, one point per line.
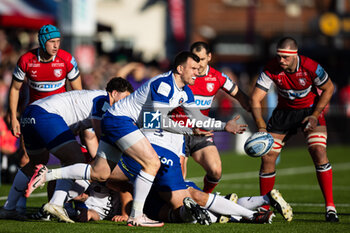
x=181, y=58
x=119, y=84
x=287, y=42
x=199, y=45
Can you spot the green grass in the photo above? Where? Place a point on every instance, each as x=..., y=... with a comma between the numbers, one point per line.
x=298, y=186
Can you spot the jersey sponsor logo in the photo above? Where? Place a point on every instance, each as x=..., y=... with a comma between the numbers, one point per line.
x=295, y=94
x=33, y=64
x=58, y=72
x=28, y=121
x=46, y=86
x=57, y=65
x=105, y=106
x=210, y=87
x=210, y=79
x=164, y=89
x=302, y=81
x=203, y=101
x=320, y=71
x=74, y=62
x=33, y=73
x=165, y=161
x=152, y=120
x=301, y=74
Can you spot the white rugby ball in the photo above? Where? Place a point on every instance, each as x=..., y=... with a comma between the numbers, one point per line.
x=258, y=144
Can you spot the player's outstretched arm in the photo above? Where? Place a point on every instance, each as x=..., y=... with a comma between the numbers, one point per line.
x=233, y=127
x=257, y=96
x=242, y=98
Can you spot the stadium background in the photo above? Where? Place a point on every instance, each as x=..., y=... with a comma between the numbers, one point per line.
x=138, y=39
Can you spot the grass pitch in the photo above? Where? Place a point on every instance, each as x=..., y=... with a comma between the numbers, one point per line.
x=295, y=179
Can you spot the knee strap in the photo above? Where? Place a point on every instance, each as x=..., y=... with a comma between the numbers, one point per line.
x=317, y=139
x=277, y=145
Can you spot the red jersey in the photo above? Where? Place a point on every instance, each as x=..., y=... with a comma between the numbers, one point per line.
x=46, y=78
x=205, y=89
x=295, y=90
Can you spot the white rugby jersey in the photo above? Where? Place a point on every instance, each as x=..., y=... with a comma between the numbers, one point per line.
x=171, y=141
x=161, y=92
x=103, y=200
x=77, y=107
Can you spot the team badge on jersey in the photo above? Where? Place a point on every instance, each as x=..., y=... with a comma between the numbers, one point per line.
x=302, y=81
x=210, y=87
x=151, y=120
x=57, y=72
x=181, y=100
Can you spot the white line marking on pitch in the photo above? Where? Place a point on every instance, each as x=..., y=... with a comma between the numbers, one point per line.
x=250, y=175
x=279, y=172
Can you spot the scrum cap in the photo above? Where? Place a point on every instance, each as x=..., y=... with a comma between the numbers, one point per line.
x=46, y=33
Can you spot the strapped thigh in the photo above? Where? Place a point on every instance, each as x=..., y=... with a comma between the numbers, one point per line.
x=317, y=139
x=277, y=145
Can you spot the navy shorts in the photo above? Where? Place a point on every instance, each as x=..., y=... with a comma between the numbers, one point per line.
x=169, y=177
x=41, y=129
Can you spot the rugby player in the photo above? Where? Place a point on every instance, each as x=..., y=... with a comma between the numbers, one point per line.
x=206, y=86
x=48, y=126
x=297, y=79
x=121, y=134
x=46, y=70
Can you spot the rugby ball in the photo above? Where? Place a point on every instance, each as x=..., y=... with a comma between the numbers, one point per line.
x=258, y=144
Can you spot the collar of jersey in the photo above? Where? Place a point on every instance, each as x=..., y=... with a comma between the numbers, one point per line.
x=206, y=72
x=297, y=68
x=174, y=83
x=39, y=59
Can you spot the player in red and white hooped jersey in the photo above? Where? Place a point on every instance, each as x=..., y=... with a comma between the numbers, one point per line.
x=297, y=79
x=207, y=84
x=46, y=68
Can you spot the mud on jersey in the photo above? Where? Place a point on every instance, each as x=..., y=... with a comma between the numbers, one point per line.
x=46, y=78
x=295, y=90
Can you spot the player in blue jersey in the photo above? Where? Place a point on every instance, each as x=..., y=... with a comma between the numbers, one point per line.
x=121, y=133
x=170, y=187
x=49, y=124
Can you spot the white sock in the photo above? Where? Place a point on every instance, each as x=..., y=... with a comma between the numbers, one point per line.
x=212, y=216
x=253, y=203
x=78, y=171
x=78, y=188
x=61, y=191
x=17, y=190
x=220, y=205
x=142, y=186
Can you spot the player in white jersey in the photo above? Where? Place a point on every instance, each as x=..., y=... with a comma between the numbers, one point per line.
x=96, y=203
x=170, y=189
x=48, y=125
x=120, y=127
